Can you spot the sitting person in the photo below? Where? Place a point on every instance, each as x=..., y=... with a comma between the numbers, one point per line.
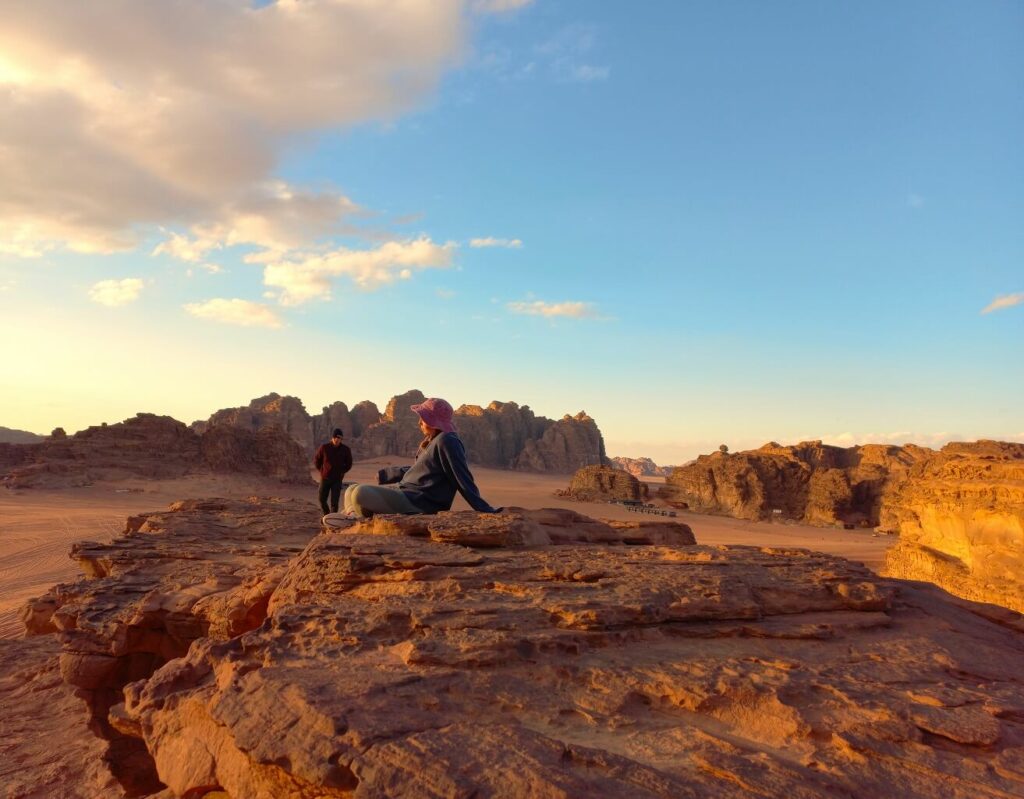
x=429, y=486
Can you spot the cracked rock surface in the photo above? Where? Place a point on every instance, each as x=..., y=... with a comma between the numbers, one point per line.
x=529, y=653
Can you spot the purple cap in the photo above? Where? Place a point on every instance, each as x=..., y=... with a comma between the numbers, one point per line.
x=437, y=413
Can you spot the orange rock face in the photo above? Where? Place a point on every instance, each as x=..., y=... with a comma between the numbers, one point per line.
x=604, y=483
x=811, y=482
x=960, y=517
x=503, y=435
x=527, y=653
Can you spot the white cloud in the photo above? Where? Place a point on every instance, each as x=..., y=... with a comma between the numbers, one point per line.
x=1005, y=301
x=307, y=277
x=274, y=217
x=236, y=312
x=444, y=294
x=571, y=310
x=116, y=117
x=113, y=293
x=915, y=200
x=489, y=241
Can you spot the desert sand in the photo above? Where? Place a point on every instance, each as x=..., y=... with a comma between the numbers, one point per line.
x=37, y=527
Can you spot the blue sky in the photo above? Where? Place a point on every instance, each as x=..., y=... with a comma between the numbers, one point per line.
x=707, y=223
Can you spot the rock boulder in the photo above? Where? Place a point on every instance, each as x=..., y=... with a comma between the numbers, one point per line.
x=605, y=483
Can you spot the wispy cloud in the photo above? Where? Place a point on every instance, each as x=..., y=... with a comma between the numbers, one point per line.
x=308, y=277
x=489, y=241
x=584, y=73
x=236, y=312
x=444, y=294
x=915, y=200
x=114, y=293
x=569, y=54
x=1005, y=301
x=569, y=309
x=213, y=269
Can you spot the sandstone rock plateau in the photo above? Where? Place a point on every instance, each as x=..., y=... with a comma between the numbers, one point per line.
x=231, y=647
x=960, y=517
x=503, y=435
x=959, y=511
x=151, y=447
x=605, y=483
x=811, y=482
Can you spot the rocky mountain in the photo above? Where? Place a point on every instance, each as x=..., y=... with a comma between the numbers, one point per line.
x=151, y=447
x=642, y=467
x=11, y=436
x=810, y=482
x=960, y=517
x=503, y=435
x=234, y=649
x=565, y=446
x=605, y=483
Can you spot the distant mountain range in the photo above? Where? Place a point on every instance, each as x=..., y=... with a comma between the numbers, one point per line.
x=9, y=436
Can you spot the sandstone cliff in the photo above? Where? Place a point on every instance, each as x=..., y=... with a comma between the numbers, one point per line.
x=960, y=517
x=810, y=482
x=565, y=446
x=226, y=646
x=151, y=447
x=605, y=483
x=642, y=467
x=273, y=410
x=503, y=435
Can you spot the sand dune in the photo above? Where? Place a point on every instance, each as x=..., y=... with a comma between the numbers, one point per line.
x=37, y=528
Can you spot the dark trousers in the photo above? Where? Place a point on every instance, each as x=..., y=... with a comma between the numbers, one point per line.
x=332, y=487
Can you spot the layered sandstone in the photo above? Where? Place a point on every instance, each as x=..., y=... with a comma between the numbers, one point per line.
x=528, y=653
x=150, y=447
x=504, y=435
x=273, y=410
x=960, y=519
x=642, y=467
x=811, y=482
x=605, y=483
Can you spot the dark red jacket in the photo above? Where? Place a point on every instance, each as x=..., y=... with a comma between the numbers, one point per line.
x=333, y=461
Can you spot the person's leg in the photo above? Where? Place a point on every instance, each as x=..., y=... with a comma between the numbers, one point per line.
x=366, y=500
x=325, y=487
x=335, y=495
x=346, y=504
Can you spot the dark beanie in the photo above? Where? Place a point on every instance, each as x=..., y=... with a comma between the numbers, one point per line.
x=337, y=432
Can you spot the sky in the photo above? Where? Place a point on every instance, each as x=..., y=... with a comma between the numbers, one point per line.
x=701, y=223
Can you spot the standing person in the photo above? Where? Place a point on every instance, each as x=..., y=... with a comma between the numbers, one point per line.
x=333, y=459
x=430, y=485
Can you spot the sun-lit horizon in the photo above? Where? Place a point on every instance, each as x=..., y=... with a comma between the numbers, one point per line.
x=699, y=224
